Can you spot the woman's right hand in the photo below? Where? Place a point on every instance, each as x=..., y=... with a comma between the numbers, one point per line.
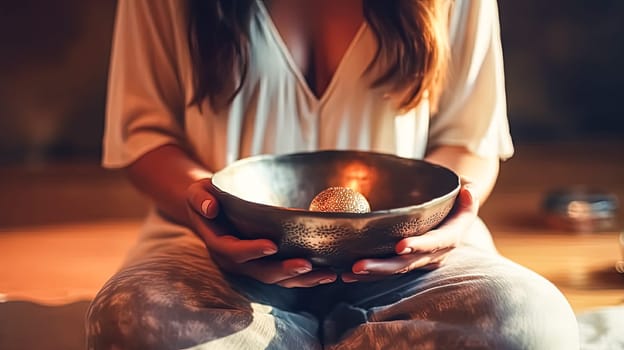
x=242, y=256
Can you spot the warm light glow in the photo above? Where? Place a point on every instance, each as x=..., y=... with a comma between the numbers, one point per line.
x=358, y=177
x=252, y=191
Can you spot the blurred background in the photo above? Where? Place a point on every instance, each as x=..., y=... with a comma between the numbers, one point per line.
x=563, y=72
x=563, y=69
x=66, y=223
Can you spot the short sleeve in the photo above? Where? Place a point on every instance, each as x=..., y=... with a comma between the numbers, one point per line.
x=473, y=109
x=145, y=101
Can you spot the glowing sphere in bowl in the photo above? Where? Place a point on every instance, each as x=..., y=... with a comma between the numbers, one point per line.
x=340, y=200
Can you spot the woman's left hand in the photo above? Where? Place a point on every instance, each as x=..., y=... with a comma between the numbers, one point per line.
x=426, y=251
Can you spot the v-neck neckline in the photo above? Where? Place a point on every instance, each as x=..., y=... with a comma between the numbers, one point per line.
x=296, y=70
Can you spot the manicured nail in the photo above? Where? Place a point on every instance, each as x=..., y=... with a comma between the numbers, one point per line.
x=326, y=280
x=205, y=205
x=362, y=272
x=269, y=251
x=303, y=269
x=407, y=250
x=348, y=279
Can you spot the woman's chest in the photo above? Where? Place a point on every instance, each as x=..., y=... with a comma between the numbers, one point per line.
x=316, y=35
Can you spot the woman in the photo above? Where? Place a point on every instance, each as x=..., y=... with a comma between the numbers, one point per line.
x=197, y=85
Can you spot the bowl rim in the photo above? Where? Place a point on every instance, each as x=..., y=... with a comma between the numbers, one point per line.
x=335, y=215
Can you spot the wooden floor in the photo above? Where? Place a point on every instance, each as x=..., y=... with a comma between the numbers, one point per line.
x=580, y=264
x=62, y=263
x=64, y=229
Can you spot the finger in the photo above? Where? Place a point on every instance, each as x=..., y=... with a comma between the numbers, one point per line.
x=271, y=272
x=448, y=234
x=310, y=279
x=236, y=250
x=351, y=277
x=242, y=250
x=396, y=265
x=201, y=200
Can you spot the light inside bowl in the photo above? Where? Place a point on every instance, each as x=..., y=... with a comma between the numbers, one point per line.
x=292, y=181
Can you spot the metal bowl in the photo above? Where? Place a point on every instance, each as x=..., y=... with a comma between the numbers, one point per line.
x=268, y=197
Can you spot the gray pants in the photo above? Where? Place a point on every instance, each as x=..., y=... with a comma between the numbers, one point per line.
x=170, y=295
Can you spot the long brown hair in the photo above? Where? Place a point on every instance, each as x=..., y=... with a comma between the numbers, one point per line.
x=412, y=44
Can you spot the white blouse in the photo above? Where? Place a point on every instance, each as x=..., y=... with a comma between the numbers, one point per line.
x=150, y=86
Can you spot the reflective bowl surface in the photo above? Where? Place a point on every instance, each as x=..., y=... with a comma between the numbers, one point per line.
x=268, y=197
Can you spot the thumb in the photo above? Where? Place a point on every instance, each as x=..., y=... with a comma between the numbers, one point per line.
x=201, y=200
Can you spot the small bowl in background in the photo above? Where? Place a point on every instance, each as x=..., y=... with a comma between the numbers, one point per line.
x=581, y=209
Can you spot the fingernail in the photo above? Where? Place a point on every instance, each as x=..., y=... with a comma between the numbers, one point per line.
x=326, y=280
x=269, y=251
x=205, y=205
x=303, y=269
x=348, y=279
x=362, y=272
x=407, y=250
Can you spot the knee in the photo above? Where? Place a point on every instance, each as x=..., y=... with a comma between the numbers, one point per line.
x=139, y=313
x=125, y=315
x=533, y=314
